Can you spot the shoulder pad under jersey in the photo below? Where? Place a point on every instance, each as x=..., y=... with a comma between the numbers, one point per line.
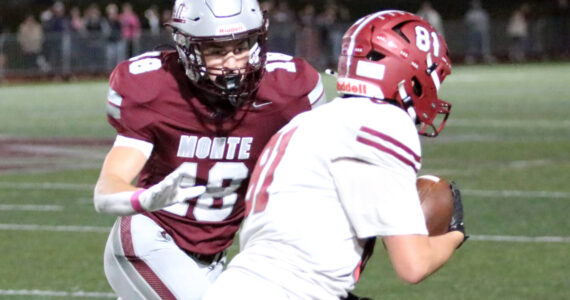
x=291, y=77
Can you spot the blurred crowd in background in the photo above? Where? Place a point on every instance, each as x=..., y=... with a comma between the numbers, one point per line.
x=71, y=41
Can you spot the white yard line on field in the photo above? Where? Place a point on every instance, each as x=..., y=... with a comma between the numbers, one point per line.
x=561, y=124
x=520, y=239
x=52, y=167
x=84, y=153
x=41, y=293
x=481, y=193
x=45, y=186
x=516, y=194
x=57, y=228
x=17, y=207
x=476, y=237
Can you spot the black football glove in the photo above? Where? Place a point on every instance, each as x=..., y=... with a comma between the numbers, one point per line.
x=456, y=223
x=352, y=296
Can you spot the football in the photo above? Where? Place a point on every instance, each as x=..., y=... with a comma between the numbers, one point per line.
x=437, y=203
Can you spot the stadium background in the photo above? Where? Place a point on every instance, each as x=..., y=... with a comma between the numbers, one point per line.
x=15, y=9
x=81, y=54
x=506, y=144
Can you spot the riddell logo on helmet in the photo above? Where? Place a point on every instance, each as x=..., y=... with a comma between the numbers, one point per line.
x=177, y=17
x=347, y=87
x=231, y=29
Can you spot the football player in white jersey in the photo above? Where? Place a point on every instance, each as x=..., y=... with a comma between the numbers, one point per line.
x=337, y=177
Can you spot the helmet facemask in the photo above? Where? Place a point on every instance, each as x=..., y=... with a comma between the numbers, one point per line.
x=221, y=85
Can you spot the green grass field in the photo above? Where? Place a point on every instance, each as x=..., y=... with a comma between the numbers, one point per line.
x=507, y=144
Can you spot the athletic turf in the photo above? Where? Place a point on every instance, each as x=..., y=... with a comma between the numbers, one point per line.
x=506, y=144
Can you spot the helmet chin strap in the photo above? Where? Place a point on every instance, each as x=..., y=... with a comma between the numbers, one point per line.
x=407, y=101
x=431, y=66
x=229, y=83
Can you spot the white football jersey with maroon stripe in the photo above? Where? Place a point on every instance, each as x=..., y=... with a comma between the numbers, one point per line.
x=332, y=177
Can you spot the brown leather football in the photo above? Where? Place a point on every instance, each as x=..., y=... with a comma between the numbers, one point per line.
x=437, y=203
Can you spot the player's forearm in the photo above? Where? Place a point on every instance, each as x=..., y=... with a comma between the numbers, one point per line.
x=114, y=197
x=119, y=204
x=416, y=257
x=442, y=247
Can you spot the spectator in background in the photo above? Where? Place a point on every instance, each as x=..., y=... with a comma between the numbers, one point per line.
x=165, y=33
x=77, y=38
x=115, y=45
x=537, y=35
x=95, y=42
x=561, y=19
x=165, y=17
x=93, y=20
x=428, y=13
x=30, y=38
x=152, y=20
x=478, y=37
x=332, y=28
x=308, y=42
x=517, y=31
x=131, y=28
x=151, y=29
x=57, y=39
x=267, y=7
x=2, y=55
x=77, y=23
x=282, y=21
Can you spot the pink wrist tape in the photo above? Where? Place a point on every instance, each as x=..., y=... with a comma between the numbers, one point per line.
x=135, y=202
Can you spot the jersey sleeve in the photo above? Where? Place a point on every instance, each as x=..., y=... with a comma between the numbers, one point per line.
x=128, y=93
x=311, y=83
x=378, y=201
x=376, y=157
x=383, y=135
x=294, y=78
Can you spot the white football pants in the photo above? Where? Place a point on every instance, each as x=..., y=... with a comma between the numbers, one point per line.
x=142, y=262
x=238, y=284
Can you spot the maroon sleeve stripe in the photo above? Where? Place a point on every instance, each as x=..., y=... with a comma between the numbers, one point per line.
x=388, y=151
x=391, y=140
x=391, y=150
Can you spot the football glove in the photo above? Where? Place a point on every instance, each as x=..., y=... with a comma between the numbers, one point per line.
x=166, y=193
x=456, y=223
x=352, y=296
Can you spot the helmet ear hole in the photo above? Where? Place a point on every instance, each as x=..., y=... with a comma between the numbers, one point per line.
x=398, y=30
x=417, y=86
x=374, y=55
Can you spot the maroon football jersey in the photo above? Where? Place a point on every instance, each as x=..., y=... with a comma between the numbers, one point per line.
x=153, y=101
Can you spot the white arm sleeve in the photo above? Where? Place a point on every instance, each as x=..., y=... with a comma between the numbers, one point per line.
x=378, y=200
x=165, y=193
x=118, y=204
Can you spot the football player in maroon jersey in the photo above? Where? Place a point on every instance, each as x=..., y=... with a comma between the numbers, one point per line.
x=190, y=126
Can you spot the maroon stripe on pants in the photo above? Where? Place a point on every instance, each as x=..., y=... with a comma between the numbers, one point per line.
x=144, y=270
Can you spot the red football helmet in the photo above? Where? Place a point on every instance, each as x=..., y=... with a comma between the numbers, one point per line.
x=398, y=57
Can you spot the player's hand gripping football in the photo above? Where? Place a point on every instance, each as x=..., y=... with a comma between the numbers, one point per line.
x=167, y=192
x=456, y=223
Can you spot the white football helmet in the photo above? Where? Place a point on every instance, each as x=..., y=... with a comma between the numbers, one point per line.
x=197, y=23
